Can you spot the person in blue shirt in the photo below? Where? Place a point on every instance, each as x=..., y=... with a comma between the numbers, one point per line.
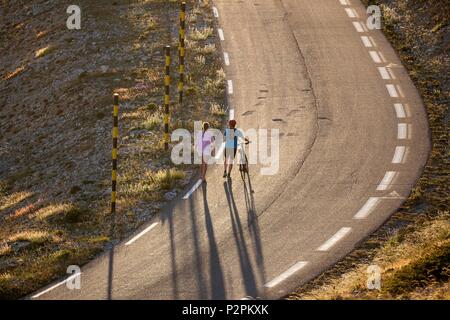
x=231, y=135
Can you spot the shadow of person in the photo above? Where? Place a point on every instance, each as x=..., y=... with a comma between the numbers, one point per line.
x=216, y=273
x=238, y=233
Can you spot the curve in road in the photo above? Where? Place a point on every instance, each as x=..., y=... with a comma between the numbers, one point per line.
x=354, y=139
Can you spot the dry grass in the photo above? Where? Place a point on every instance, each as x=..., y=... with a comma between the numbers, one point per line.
x=13, y=199
x=31, y=236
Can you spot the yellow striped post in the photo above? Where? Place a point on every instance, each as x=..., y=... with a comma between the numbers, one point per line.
x=182, y=51
x=115, y=135
x=167, y=99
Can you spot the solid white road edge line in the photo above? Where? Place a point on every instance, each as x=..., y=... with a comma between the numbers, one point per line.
x=140, y=234
x=289, y=272
x=334, y=239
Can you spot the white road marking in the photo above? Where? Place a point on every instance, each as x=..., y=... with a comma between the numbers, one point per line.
x=334, y=239
x=216, y=12
x=382, y=56
x=289, y=272
x=399, y=154
x=351, y=13
x=226, y=57
x=358, y=26
x=220, y=151
x=56, y=285
x=399, y=110
x=367, y=208
x=221, y=35
x=366, y=41
x=231, y=114
x=384, y=73
x=402, y=131
x=194, y=187
x=391, y=72
x=140, y=234
x=375, y=57
x=230, y=87
x=387, y=179
x=392, y=91
x=344, y=2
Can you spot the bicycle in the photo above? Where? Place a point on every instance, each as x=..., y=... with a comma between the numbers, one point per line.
x=243, y=160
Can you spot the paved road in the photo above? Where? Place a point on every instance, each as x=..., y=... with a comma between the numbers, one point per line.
x=354, y=139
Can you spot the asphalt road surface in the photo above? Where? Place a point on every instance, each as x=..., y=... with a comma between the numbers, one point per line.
x=354, y=139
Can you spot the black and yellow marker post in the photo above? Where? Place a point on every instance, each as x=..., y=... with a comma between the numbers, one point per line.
x=114, y=153
x=182, y=51
x=167, y=99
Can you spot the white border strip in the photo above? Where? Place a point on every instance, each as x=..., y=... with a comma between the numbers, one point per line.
x=334, y=239
x=399, y=154
x=400, y=110
x=367, y=208
x=289, y=272
x=194, y=187
x=56, y=285
x=142, y=233
x=375, y=56
x=402, y=131
x=216, y=12
x=226, y=58
x=366, y=41
x=230, y=86
x=392, y=91
x=386, y=181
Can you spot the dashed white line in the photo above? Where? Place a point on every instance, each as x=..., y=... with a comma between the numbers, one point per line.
x=221, y=35
x=56, y=285
x=289, y=272
x=344, y=2
x=231, y=114
x=399, y=110
x=334, y=239
x=387, y=180
x=402, y=131
x=384, y=73
x=366, y=41
x=194, y=187
x=216, y=12
x=367, y=208
x=358, y=26
x=351, y=13
x=392, y=91
x=140, y=234
x=399, y=154
x=230, y=86
x=375, y=56
x=226, y=58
